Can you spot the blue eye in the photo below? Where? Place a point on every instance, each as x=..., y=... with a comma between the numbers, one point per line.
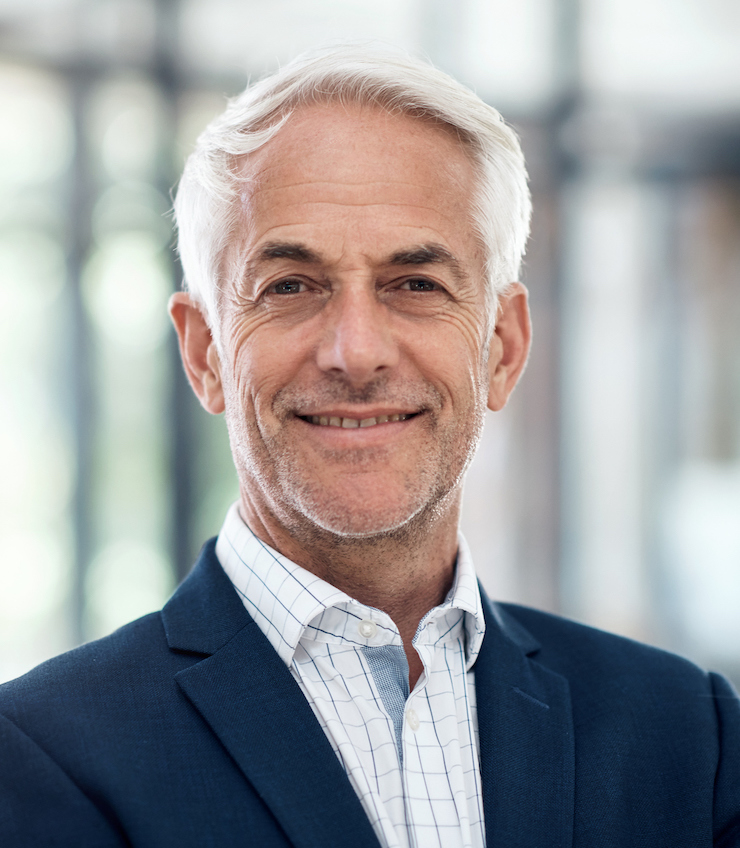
x=288, y=287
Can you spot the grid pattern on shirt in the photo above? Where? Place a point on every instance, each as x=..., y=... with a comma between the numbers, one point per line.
x=427, y=794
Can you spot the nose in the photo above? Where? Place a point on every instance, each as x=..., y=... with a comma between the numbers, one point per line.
x=357, y=342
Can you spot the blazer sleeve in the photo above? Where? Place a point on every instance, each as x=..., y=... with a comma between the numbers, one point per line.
x=727, y=782
x=40, y=804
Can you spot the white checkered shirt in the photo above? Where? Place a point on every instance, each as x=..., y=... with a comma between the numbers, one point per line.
x=413, y=758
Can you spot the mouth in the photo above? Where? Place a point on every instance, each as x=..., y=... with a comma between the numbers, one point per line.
x=352, y=423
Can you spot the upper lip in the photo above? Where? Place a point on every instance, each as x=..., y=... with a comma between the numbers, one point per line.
x=359, y=413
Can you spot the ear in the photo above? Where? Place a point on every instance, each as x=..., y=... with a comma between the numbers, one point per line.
x=509, y=347
x=198, y=351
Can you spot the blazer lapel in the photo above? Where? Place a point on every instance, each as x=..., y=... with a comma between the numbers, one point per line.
x=251, y=702
x=526, y=740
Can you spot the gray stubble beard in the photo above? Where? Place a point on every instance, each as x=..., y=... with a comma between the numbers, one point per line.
x=305, y=513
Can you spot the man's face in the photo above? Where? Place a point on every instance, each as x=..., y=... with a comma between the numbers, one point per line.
x=354, y=350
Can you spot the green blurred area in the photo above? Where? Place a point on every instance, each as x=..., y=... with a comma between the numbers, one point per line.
x=608, y=490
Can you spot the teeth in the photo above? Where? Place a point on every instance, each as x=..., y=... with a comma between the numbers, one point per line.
x=350, y=423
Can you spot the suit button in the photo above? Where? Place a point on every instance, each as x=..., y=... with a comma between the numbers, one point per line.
x=413, y=719
x=367, y=628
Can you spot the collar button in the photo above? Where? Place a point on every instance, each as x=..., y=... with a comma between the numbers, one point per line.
x=367, y=628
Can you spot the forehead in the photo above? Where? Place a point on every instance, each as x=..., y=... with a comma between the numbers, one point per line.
x=335, y=171
x=352, y=132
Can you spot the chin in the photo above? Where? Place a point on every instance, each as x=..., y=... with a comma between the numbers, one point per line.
x=359, y=523
x=361, y=527
x=368, y=518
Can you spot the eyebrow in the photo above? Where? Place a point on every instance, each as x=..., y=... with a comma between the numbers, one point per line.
x=423, y=254
x=286, y=250
x=428, y=254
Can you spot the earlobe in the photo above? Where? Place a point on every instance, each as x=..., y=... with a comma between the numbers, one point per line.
x=509, y=347
x=198, y=351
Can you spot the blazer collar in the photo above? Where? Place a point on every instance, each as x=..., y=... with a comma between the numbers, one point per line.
x=251, y=702
x=205, y=612
x=526, y=739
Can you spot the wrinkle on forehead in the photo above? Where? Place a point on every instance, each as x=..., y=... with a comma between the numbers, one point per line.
x=414, y=160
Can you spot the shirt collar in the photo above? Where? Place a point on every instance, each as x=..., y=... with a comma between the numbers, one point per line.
x=284, y=599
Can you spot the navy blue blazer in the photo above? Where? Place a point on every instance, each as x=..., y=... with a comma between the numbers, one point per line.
x=185, y=729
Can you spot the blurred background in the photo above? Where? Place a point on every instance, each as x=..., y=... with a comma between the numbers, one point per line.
x=608, y=490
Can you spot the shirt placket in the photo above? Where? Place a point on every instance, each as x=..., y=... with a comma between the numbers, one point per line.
x=360, y=730
x=433, y=770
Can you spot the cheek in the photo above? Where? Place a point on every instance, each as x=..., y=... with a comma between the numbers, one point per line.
x=454, y=356
x=261, y=366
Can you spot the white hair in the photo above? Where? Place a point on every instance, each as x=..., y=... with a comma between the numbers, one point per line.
x=207, y=210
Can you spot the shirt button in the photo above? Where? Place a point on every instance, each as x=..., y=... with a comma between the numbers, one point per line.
x=367, y=628
x=413, y=719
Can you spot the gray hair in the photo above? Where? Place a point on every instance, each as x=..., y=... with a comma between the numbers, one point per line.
x=207, y=209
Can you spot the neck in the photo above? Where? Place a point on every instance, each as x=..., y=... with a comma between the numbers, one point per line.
x=404, y=572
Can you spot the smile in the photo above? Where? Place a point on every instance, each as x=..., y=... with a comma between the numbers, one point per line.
x=349, y=423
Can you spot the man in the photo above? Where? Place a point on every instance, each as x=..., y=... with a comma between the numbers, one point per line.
x=330, y=674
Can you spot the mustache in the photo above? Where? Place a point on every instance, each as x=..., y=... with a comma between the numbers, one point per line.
x=336, y=390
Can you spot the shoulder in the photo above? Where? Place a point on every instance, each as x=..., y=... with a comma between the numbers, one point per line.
x=568, y=645
x=127, y=670
x=137, y=662
x=126, y=646
x=588, y=655
x=630, y=681
x=130, y=677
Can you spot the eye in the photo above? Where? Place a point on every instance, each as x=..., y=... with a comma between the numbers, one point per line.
x=420, y=284
x=289, y=286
